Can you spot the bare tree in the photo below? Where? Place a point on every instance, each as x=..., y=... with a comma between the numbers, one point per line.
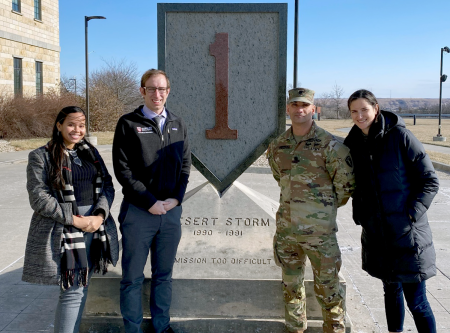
x=105, y=108
x=68, y=85
x=122, y=80
x=324, y=100
x=336, y=96
x=113, y=90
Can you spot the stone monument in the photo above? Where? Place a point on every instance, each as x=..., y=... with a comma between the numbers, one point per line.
x=227, y=66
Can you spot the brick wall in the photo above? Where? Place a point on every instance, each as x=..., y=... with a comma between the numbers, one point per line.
x=22, y=36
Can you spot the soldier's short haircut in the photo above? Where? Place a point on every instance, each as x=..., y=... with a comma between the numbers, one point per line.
x=363, y=93
x=152, y=72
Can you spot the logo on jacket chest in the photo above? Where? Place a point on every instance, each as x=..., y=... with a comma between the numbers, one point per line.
x=143, y=130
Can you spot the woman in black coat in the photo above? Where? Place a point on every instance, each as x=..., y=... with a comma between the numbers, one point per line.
x=395, y=184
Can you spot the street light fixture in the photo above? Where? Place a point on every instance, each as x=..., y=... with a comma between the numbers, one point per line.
x=295, y=44
x=442, y=78
x=86, y=20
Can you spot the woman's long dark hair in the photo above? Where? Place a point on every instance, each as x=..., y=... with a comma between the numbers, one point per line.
x=56, y=148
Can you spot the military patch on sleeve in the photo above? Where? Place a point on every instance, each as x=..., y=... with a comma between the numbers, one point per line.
x=349, y=161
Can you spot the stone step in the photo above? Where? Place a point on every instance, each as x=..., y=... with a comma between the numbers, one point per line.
x=204, y=305
x=104, y=324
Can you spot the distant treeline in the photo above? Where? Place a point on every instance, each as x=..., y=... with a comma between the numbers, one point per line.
x=414, y=105
x=337, y=108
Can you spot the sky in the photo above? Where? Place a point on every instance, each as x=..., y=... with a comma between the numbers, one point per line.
x=391, y=47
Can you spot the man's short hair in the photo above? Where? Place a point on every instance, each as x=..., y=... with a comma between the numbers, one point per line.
x=151, y=72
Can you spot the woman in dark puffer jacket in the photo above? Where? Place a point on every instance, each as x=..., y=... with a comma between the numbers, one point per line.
x=395, y=185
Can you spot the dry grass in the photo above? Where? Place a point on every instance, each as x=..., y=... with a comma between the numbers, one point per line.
x=103, y=138
x=425, y=129
x=27, y=144
x=333, y=126
x=439, y=157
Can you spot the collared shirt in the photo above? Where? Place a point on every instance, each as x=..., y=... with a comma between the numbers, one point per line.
x=150, y=115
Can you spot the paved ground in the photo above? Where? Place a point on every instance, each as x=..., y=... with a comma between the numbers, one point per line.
x=30, y=308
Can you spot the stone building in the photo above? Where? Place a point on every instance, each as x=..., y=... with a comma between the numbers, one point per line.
x=29, y=47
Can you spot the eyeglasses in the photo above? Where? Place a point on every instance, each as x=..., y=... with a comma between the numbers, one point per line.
x=152, y=90
x=75, y=157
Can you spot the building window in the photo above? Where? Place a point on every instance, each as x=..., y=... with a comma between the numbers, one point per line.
x=37, y=10
x=18, y=87
x=16, y=5
x=39, y=79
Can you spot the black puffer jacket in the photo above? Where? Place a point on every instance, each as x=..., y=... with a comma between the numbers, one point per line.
x=395, y=180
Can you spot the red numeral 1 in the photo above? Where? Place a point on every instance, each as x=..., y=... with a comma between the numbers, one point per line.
x=221, y=130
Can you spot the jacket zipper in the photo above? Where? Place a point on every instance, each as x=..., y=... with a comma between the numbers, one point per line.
x=380, y=206
x=165, y=130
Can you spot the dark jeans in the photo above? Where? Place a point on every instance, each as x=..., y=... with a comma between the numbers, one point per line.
x=416, y=298
x=143, y=232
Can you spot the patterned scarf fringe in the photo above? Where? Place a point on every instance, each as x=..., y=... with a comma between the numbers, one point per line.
x=68, y=277
x=100, y=252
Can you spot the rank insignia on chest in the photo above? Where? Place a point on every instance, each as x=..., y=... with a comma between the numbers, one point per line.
x=312, y=144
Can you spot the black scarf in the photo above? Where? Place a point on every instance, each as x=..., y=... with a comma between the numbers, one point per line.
x=73, y=247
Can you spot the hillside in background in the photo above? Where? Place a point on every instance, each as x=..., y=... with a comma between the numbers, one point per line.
x=401, y=105
x=414, y=104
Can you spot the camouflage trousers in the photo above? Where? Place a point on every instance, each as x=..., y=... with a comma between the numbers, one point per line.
x=325, y=257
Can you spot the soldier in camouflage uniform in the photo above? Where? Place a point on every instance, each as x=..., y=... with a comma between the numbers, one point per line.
x=315, y=175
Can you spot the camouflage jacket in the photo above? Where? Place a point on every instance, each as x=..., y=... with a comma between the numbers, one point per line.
x=315, y=176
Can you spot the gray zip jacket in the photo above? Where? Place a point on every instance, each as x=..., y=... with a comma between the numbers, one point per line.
x=43, y=248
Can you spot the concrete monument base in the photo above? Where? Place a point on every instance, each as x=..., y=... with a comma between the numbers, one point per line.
x=205, y=305
x=92, y=140
x=187, y=325
x=225, y=278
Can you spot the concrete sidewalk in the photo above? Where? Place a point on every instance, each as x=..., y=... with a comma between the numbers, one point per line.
x=30, y=308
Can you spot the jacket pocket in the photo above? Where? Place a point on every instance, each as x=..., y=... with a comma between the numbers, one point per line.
x=124, y=208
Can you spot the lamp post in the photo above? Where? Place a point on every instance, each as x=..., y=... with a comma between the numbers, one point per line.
x=295, y=44
x=442, y=78
x=75, y=81
x=86, y=20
